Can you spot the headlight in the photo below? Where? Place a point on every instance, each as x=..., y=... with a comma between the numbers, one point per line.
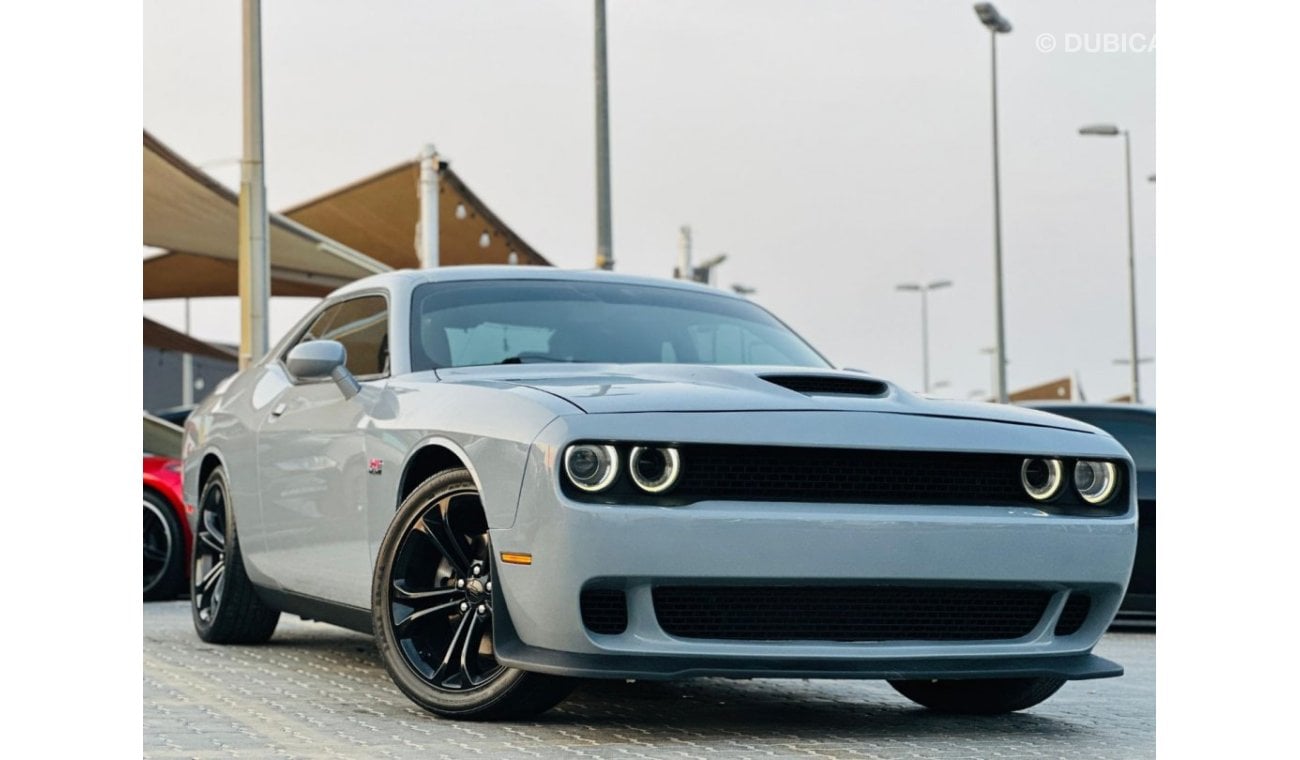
x=1095, y=481
x=591, y=467
x=1041, y=478
x=654, y=470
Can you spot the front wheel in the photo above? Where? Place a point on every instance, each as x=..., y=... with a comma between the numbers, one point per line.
x=986, y=696
x=432, y=599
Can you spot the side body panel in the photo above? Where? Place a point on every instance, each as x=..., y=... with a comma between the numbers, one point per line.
x=224, y=427
x=311, y=474
x=489, y=426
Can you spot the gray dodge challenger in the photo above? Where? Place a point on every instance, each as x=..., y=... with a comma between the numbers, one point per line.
x=518, y=477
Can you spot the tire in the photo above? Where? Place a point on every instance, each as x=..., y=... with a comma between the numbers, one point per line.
x=225, y=606
x=431, y=601
x=164, y=549
x=987, y=696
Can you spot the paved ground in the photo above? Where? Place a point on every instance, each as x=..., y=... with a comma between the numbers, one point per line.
x=320, y=691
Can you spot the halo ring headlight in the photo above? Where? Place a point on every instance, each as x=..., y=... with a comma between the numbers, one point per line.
x=1041, y=477
x=1096, y=482
x=591, y=467
x=654, y=469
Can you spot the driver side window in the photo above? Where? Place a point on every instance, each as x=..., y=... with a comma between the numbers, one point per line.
x=361, y=325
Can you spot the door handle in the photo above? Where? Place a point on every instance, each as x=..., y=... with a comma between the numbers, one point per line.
x=279, y=409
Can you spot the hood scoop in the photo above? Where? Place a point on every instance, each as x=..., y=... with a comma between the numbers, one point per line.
x=830, y=385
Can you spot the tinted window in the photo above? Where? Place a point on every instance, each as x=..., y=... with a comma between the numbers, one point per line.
x=474, y=323
x=361, y=325
x=1135, y=431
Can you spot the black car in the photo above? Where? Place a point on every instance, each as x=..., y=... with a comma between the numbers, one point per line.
x=1134, y=427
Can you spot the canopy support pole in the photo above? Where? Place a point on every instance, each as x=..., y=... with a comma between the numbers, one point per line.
x=428, y=237
x=254, y=263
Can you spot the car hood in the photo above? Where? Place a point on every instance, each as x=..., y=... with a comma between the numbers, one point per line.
x=624, y=388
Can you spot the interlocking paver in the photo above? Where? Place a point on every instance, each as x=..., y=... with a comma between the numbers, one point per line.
x=319, y=691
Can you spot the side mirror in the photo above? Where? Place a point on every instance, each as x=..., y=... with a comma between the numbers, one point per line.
x=319, y=359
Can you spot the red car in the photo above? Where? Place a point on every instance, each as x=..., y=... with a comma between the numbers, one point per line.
x=167, y=536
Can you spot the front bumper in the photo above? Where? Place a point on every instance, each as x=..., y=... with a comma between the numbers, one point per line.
x=539, y=624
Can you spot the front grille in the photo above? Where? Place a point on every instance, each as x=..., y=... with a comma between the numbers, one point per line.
x=816, y=385
x=779, y=473
x=1076, y=611
x=727, y=472
x=848, y=613
x=604, y=610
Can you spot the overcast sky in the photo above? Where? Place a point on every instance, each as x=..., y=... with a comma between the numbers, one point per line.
x=833, y=148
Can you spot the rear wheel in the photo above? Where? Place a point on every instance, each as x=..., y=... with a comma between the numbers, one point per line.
x=990, y=696
x=225, y=606
x=432, y=599
x=164, y=549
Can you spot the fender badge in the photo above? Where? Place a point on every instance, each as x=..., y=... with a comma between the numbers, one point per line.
x=375, y=467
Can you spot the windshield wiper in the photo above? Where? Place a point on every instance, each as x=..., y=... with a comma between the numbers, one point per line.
x=529, y=356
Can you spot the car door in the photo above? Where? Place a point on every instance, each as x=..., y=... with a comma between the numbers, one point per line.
x=312, y=464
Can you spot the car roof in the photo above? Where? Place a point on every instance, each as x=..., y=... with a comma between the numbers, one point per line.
x=409, y=278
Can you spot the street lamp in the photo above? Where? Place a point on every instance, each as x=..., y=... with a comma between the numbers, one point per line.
x=1110, y=130
x=996, y=24
x=924, y=290
x=604, y=227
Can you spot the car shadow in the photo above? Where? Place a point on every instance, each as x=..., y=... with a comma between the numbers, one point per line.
x=792, y=710
x=783, y=709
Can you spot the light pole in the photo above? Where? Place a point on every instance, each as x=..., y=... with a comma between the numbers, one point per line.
x=1110, y=130
x=924, y=290
x=997, y=24
x=1125, y=362
x=604, y=231
x=992, y=353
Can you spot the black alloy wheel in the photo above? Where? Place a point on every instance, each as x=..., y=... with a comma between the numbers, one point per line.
x=164, y=567
x=225, y=605
x=210, y=555
x=440, y=603
x=432, y=604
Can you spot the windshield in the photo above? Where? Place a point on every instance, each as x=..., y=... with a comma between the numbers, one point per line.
x=462, y=324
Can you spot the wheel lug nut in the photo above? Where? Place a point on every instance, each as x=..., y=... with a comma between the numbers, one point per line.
x=489, y=585
x=482, y=609
x=476, y=570
x=460, y=583
x=464, y=606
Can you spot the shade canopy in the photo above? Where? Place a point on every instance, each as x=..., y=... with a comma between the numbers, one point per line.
x=196, y=219
x=161, y=336
x=379, y=215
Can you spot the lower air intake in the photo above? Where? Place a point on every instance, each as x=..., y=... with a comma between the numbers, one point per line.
x=604, y=610
x=848, y=613
x=1076, y=611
